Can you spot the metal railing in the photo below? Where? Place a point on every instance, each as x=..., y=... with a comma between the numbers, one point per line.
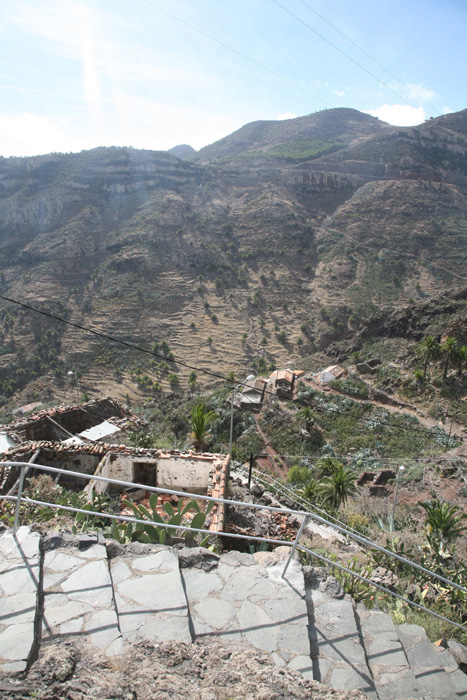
x=26, y=466
x=291, y=495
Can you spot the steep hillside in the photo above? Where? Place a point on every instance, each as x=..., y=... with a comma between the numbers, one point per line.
x=294, y=140
x=435, y=150
x=229, y=261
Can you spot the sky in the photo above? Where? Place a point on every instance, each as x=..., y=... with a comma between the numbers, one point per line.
x=78, y=74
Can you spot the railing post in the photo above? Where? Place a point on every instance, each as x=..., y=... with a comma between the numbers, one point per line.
x=18, y=498
x=299, y=534
x=250, y=470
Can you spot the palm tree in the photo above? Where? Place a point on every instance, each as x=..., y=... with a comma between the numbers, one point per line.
x=230, y=379
x=427, y=349
x=201, y=418
x=335, y=489
x=192, y=381
x=448, y=351
x=461, y=359
x=306, y=417
x=442, y=520
x=309, y=490
x=327, y=466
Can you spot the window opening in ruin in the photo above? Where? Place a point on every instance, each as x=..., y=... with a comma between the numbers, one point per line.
x=145, y=473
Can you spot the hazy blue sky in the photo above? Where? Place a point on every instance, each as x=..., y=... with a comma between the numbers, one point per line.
x=77, y=74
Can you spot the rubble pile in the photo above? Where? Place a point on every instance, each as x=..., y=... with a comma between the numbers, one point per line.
x=168, y=670
x=261, y=523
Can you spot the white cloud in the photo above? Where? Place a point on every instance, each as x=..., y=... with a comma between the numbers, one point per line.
x=158, y=126
x=419, y=93
x=339, y=93
x=399, y=115
x=31, y=134
x=286, y=115
x=446, y=110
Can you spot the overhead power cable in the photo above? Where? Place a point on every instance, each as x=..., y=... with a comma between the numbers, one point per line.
x=372, y=58
x=181, y=363
x=239, y=53
x=86, y=329
x=381, y=82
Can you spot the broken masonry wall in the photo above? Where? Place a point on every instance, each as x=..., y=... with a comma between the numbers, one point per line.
x=177, y=472
x=218, y=488
x=190, y=473
x=70, y=461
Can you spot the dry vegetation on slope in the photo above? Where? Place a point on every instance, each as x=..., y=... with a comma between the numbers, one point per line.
x=253, y=263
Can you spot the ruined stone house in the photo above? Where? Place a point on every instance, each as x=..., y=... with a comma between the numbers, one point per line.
x=72, y=438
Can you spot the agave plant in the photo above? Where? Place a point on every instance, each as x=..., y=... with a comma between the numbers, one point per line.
x=443, y=521
x=147, y=532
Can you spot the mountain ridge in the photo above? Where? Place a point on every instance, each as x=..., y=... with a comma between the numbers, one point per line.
x=234, y=265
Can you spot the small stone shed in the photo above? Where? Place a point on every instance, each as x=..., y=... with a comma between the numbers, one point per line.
x=252, y=396
x=329, y=374
x=204, y=474
x=91, y=421
x=283, y=382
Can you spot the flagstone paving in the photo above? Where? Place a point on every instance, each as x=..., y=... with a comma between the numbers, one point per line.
x=246, y=598
x=149, y=596
x=109, y=595
x=19, y=583
x=340, y=656
x=78, y=597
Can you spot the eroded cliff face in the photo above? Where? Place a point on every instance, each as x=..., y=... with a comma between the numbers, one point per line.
x=230, y=262
x=41, y=193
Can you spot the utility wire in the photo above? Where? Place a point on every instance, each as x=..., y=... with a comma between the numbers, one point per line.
x=372, y=58
x=239, y=53
x=132, y=346
x=381, y=82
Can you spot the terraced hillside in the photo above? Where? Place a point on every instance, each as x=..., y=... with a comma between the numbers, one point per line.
x=262, y=249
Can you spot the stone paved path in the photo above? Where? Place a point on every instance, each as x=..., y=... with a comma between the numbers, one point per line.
x=436, y=673
x=246, y=598
x=149, y=596
x=386, y=656
x=341, y=661
x=19, y=582
x=404, y=663
x=103, y=594
x=78, y=597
